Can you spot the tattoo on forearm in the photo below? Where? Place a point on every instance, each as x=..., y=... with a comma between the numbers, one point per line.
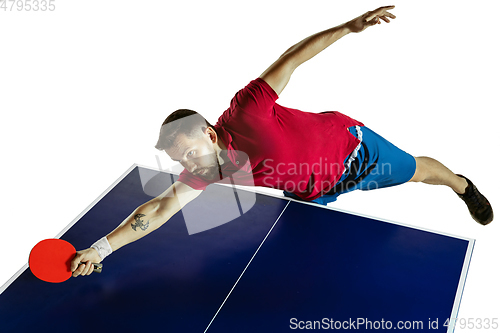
x=140, y=223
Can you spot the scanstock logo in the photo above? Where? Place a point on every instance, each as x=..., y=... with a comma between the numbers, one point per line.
x=220, y=203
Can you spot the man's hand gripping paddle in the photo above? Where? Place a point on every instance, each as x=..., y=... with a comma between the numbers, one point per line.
x=50, y=260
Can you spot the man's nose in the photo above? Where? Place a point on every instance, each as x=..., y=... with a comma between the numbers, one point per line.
x=190, y=166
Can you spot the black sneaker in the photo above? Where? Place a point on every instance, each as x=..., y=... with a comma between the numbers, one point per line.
x=479, y=207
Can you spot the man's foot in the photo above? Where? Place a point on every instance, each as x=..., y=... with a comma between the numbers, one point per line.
x=479, y=207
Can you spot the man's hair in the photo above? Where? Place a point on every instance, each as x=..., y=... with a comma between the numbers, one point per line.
x=182, y=121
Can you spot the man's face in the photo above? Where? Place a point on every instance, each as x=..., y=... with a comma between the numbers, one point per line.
x=197, y=155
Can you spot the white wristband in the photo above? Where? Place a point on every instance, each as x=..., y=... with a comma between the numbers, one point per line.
x=103, y=248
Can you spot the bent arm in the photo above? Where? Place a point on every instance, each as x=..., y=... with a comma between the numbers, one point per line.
x=279, y=73
x=143, y=220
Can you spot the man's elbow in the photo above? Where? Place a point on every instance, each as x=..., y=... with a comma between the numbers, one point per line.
x=169, y=206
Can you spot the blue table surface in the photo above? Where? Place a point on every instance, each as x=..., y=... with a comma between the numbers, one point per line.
x=315, y=264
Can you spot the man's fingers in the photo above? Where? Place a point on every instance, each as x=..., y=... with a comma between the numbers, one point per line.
x=382, y=11
x=385, y=19
x=84, y=269
x=75, y=261
x=88, y=268
x=91, y=268
x=379, y=16
x=78, y=271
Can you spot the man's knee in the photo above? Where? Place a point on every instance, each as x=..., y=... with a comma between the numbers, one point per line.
x=420, y=170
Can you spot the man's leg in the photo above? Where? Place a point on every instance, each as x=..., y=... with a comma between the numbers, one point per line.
x=430, y=171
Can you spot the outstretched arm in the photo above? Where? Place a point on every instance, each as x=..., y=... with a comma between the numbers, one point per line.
x=278, y=74
x=143, y=220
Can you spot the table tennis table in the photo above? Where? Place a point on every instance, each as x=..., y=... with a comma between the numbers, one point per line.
x=278, y=265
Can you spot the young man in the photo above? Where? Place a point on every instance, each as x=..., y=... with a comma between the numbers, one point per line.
x=310, y=156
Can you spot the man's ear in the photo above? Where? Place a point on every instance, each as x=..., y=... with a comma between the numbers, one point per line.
x=211, y=133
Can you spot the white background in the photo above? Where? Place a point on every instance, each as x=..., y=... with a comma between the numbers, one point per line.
x=85, y=88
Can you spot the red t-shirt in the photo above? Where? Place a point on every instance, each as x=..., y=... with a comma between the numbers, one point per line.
x=274, y=146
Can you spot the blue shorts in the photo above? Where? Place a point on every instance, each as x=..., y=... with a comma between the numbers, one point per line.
x=378, y=164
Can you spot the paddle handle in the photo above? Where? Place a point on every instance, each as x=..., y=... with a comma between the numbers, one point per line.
x=97, y=267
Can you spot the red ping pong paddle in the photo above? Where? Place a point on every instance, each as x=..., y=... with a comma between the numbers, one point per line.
x=50, y=260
